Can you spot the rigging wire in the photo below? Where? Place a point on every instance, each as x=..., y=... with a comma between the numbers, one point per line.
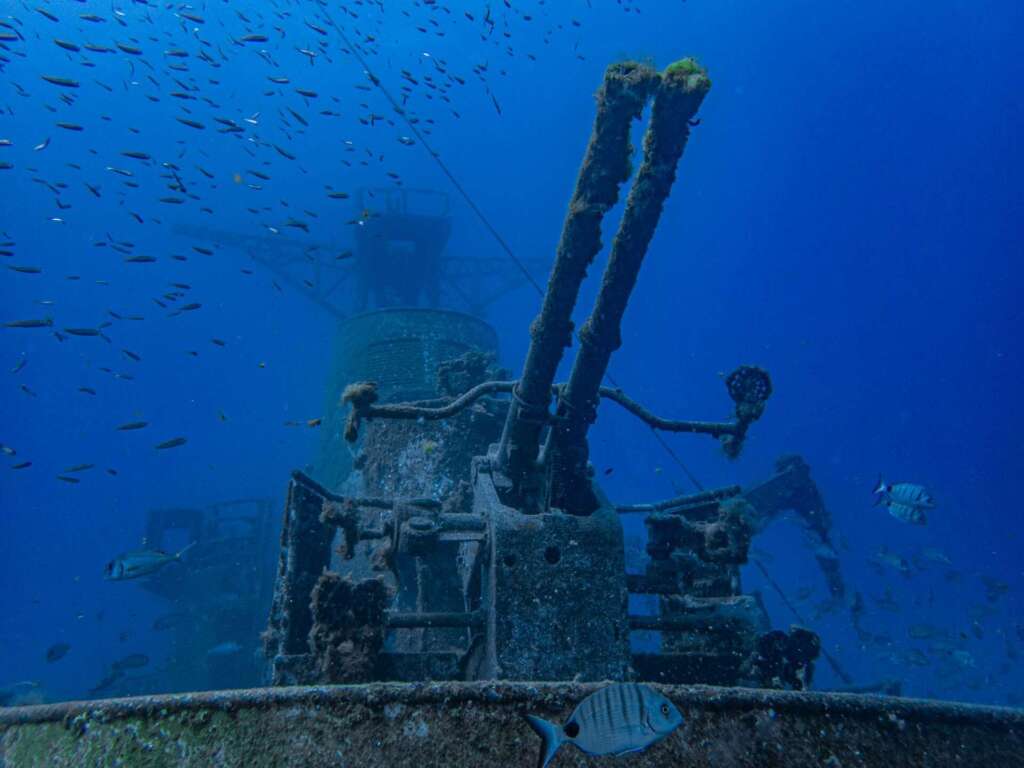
x=832, y=662
x=487, y=224
x=440, y=163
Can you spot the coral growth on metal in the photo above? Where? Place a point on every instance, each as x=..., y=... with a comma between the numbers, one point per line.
x=465, y=725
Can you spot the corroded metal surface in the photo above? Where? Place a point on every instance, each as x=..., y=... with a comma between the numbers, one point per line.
x=480, y=724
x=400, y=349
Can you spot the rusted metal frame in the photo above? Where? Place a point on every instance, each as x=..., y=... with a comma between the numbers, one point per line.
x=371, y=502
x=677, y=503
x=456, y=620
x=410, y=411
x=694, y=623
x=713, y=428
x=428, y=411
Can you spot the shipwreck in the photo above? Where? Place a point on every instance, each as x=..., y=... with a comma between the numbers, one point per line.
x=451, y=562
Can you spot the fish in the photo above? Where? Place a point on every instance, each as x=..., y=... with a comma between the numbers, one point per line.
x=924, y=632
x=885, y=557
x=994, y=588
x=133, y=425
x=224, y=649
x=908, y=502
x=933, y=555
x=915, y=657
x=64, y=82
x=24, y=692
x=887, y=603
x=190, y=123
x=79, y=468
x=109, y=679
x=56, y=652
x=174, y=442
x=46, y=322
x=131, y=661
x=132, y=565
x=615, y=720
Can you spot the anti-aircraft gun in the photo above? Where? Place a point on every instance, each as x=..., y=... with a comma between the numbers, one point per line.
x=472, y=541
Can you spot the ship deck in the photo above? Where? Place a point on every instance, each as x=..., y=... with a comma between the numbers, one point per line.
x=481, y=724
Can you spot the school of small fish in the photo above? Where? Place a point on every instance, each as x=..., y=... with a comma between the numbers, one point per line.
x=153, y=109
x=129, y=122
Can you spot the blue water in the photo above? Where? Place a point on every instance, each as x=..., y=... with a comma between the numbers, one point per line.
x=847, y=215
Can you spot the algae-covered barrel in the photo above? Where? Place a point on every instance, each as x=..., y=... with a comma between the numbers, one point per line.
x=399, y=349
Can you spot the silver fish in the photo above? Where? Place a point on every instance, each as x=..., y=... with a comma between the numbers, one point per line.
x=132, y=565
x=224, y=649
x=620, y=718
x=16, y=694
x=931, y=556
x=885, y=557
x=908, y=502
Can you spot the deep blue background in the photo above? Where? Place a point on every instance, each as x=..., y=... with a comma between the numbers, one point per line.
x=847, y=215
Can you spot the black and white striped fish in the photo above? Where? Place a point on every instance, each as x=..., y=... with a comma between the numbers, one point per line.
x=621, y=718
x=908, y=502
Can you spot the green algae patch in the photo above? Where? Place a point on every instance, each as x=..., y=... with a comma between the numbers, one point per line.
x=199, y=737
x=689, y=70
x=481, y=724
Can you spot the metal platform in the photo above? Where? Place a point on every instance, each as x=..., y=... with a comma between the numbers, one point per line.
x=481, y=724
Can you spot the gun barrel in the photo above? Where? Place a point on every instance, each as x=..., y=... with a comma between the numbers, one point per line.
x=680, y=93
x=620, y=100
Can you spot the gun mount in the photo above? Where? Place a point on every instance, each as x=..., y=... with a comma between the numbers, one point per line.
x=424, y=564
